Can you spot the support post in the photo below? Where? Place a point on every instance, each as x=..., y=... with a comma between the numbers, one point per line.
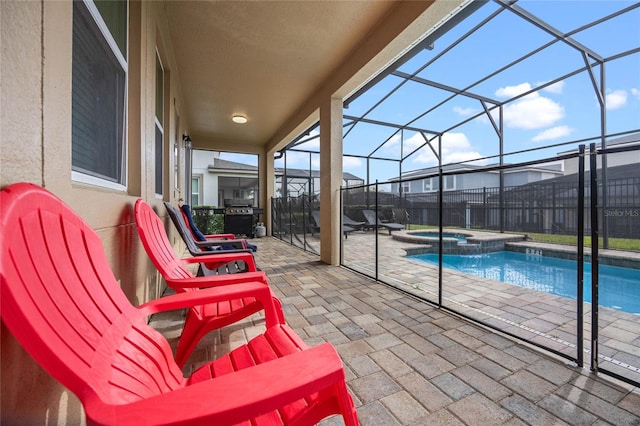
x=595, y=234
x=330, y=180
x=580, y=283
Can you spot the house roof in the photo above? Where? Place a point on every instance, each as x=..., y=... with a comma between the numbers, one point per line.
x=547, y=168
x=231, y=166
x=632, y=139
x=314, y=174
x=220, y=164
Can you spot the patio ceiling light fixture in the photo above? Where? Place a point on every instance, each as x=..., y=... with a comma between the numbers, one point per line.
x=238, y=118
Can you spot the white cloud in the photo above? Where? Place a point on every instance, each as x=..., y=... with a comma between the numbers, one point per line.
x=414, y=141
x=455, y=148
x=532, y=112
x=393, y=144
x=635, y=92
x=616, y=99
x=295, y=159
x=555, y=88
x=458, y=157
x=311, y=145
x=351, y=162
x=552, y=133
x=394, y=140
x=511, y=91
x=465, y=112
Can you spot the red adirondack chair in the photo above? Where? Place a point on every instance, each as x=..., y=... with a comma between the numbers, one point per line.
x=61, y=301
x=200, y=321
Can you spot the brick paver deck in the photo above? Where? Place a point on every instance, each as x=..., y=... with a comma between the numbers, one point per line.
x=409, y=363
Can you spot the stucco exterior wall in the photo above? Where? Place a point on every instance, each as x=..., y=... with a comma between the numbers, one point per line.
x=35, y=146
x=208, y=182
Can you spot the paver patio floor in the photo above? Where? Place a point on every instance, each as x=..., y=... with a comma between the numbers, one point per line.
x=410, y=363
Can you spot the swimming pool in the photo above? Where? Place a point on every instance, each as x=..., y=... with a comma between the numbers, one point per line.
x=619, y=287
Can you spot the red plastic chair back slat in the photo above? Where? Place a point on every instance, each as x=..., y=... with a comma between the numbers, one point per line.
x=63, y=304
x=156, y=243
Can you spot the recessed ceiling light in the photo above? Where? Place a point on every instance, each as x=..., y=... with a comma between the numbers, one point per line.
x=240, y=119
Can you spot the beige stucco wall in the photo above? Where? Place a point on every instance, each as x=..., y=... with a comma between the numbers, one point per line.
x=35, y=146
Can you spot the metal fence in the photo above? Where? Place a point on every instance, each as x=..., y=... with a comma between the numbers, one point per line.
x=541, y=207
x=292, y=220
x=546, y=208
x=581, y=205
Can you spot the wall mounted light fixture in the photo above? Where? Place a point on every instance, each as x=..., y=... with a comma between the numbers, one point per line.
x=187, y=141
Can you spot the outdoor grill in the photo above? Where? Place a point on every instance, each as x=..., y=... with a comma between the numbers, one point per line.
x=239, y=217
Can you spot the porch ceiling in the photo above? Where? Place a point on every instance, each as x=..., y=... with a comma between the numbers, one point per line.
x=269, y=60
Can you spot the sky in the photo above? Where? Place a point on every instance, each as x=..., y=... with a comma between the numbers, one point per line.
x=552, y=113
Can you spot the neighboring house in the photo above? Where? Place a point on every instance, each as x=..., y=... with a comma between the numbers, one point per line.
x=541, y=198
x=571, y=165
x=213, y=180
x=301, y=181
x=412, y=184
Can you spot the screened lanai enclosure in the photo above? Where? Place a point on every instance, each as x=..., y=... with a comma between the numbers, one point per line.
x=504, y=143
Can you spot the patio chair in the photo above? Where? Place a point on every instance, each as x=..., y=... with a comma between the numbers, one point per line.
x=197, y=248
x=175, y=272
x=315, y=215
x=199, y=236
x=151, y=231
x=62, y=303
x=346, y=220
x=400, y=215
x=375, y=223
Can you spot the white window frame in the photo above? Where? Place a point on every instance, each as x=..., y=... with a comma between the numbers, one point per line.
x=200, y=193
x=80, y=177
x=451, y=187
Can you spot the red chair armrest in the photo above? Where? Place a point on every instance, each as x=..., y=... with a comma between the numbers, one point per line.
x=224, y=257
x=235, y=243
x=222, y=236
x=218, y=280
x=189, y=299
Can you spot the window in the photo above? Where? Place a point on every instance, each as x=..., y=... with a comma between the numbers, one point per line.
x=99, y=92
x=449, y=183
x=195, y=191
x=433, y=184
x=406, y=187
x=159, y=142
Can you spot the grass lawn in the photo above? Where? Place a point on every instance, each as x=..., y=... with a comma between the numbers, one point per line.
x=570, y=240
x=614, y=243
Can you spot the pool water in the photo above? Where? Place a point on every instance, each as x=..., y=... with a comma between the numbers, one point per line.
x=619, y=287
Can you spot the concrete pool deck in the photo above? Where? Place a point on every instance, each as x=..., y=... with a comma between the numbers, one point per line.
x=538, y=317
x=476, y=241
